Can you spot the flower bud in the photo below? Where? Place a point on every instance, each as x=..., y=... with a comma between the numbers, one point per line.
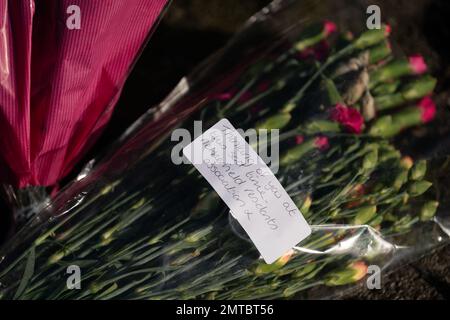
x=390, y=125
x=406, y=162
x=350, y=274
x=400, y=179
x=405, y=198
x=304, y=270
x=314, y=34
x=277, y=121
x=419, y=170
x=364, y=215
x=306, y=205
x=418, y=188
x=428, y=210
x=389, y=101
x=395, y=69
x=386, y=88
x=372, y=37
x=389, y=153
x=322, y=126
x=419, y=88
x=382, y=127
x=379, y=52
x=370, y=160
x=296, y=153
x=332, y=92
x=264, y=268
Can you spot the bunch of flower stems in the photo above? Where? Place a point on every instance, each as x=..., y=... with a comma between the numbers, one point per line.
x=160, y=232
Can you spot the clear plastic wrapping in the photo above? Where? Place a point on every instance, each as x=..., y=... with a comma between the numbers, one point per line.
x=344, y=98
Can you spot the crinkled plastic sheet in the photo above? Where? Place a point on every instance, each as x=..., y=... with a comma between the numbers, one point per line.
x=140, y=227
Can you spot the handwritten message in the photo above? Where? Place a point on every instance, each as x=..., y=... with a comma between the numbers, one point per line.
x=245, y=183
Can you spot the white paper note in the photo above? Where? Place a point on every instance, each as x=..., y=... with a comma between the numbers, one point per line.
x=248, y=187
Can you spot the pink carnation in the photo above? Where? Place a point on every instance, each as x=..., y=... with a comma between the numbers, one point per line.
x=329, y=27
x=417, y=64
x=350, y=118
x=321, y=143
x=299, y=139
x=428, y=109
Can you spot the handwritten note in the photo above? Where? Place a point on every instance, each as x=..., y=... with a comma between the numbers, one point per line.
x=248, y=187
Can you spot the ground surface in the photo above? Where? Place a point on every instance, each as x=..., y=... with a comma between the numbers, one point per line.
x=426, y=279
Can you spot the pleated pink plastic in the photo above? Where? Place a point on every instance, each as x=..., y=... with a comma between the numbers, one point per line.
x=59, y=86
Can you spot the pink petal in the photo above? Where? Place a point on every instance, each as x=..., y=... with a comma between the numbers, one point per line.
x=428, y=109
x=417, y=64
x=329, y=27
x=299, y=139
x=321, y=143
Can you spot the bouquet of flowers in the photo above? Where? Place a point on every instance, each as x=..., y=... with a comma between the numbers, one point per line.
x=140, y=227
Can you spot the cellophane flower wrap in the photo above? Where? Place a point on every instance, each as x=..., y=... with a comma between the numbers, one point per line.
x=344, y=99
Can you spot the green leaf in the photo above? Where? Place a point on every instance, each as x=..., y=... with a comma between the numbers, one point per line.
x=27, y=274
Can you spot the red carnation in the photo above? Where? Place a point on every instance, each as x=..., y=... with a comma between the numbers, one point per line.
x=321, y=143
x=329, y=27
x=350, y=118
x=428, y=109
x=299, y=139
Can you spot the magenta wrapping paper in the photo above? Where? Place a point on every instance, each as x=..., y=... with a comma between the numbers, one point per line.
x=59, y=86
